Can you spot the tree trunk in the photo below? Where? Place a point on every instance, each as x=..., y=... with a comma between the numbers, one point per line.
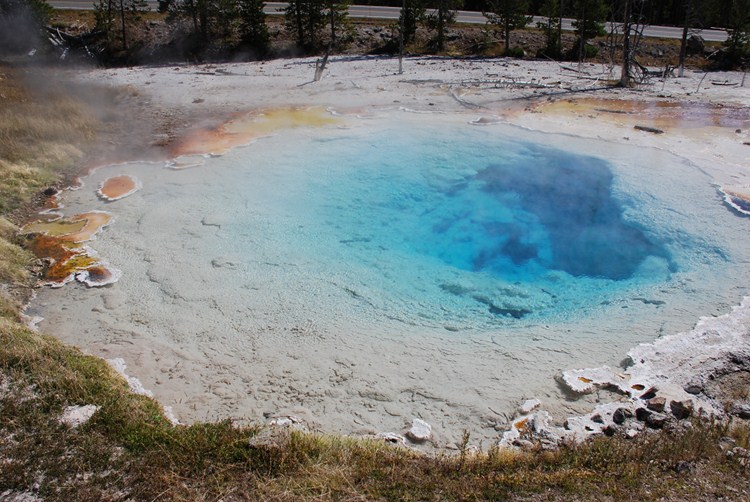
x=194, y=14
x=441, y=24
x=683, y=43
x=332, y=12
x=559, y=27
x=300, y=28
x=581, y=37
x=625, y=75
x=401, y=39
x=507, y=36
x=122, y=25
x=204, y=19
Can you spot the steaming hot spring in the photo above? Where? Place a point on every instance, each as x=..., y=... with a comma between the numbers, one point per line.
x=358, y=269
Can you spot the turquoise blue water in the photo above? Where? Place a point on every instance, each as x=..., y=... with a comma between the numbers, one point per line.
x=454, y=226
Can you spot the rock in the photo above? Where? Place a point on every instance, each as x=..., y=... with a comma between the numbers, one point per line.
x=288, y=422
x=631, y=433
x=683, y=466
x=741, y=410
x=537, y=426
x=739, y=454
x=656, y=404
x=77, y=415
x=642, y=414
x=390, y=437
x=693, y=388
x=649, y=394
x=611, y=430
x=620, y=415
x=524, y=444
x=653, y=419
x=420, y=431
x=727, y=443
x=681, y=409
x=656, y=420
x=529, y=405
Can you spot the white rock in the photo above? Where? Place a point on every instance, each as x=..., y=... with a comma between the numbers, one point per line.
x=587, y=380
x=78, y=415
x=289, y=421
x=529, y=405
x=391, y=437
x=420, y=430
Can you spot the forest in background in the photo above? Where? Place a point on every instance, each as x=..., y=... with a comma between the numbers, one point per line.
x=128, y=32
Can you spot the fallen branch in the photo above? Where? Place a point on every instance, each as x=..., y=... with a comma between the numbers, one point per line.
x=653, y=130
x=506, y=83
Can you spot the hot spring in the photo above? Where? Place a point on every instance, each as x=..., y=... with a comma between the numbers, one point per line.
x=367, y=272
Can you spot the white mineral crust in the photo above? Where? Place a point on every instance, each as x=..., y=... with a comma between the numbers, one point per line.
x=420, y=431
x=78, y=415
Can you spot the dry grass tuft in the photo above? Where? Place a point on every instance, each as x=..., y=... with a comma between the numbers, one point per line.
x=14, y=263
x=40, y=136
x=8, y=230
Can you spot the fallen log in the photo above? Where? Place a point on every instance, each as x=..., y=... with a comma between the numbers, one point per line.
x=653, y=130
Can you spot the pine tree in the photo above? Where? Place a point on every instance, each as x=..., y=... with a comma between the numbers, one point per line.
x=253, y=28
x=589, y=15
x=508, y=15
x=306, y=19
x=552, y=10
x=412, y=13
x=337, y=14
x=444, y=16
x=115, y=18
x=738, y=43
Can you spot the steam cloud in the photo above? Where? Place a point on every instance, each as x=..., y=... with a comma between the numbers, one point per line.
x=20, y=26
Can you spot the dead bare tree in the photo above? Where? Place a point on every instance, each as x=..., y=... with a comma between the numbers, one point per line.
x=320, y=65
x=626, y=53
x=632, y=33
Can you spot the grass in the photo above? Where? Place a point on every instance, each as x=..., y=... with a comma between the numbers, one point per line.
x=40, y=138
x=128, y=450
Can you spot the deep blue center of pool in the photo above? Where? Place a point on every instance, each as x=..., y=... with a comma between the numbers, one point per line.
x=582, y=228
x=514, y=216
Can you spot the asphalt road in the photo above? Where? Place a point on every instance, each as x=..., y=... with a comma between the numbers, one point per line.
x=378, y=12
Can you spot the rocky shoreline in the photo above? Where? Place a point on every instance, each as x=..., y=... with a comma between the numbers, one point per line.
x=666, y=382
